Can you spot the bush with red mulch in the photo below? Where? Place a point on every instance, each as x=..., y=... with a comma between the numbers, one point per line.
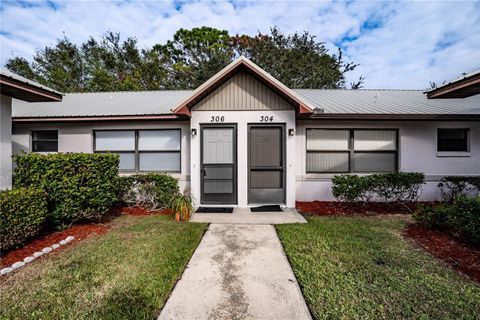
x=326, y=208
x=79, y=232
x=459, y=256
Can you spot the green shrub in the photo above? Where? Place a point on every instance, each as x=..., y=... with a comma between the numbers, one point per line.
x=464, y=218
x=398, y=187
x=22, y=214
x=78, y=185
x=461, y=217
x=152, y=190
x=454, y=186
x=352, y=188
x=432, y=216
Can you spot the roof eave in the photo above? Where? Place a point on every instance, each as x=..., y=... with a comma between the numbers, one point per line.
x=407, y=117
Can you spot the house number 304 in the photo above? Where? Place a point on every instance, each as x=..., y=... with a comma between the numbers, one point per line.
x=217, y=119
x=266, y=118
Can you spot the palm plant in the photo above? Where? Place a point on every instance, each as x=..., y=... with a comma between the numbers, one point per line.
x=182, y=205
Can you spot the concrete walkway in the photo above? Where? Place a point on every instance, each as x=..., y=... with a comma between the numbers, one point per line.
x=237, y=272
x=245, y=216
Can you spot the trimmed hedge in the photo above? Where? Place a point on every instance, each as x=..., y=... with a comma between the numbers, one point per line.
x=152, y=190
x=398, y=187
x=78, y=185
x=461, y=217
x=454, y=186
x=22, y=213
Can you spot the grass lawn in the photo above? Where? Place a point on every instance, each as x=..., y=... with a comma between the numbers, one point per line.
x=127, y=273
x=362, y=268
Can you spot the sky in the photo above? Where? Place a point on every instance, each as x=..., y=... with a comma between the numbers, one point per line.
x=399, y=45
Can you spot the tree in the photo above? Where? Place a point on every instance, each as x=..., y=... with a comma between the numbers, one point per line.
x=194, y=56
x=185, y=62
x=297, y=60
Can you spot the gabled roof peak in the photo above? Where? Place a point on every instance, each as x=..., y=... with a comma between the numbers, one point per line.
x=242, y=63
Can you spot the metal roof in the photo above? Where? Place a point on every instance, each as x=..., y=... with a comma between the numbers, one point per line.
x=335, y=101
x=387, y=102
x=14, y=76
x=104, y=104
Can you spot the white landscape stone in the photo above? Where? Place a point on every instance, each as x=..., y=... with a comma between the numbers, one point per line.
x=6, y=270
x=69, y=238
x=47, y=249
x=18, y=264
x=38, y=254
x=63, y=242
x=55, y=246
x=28, y=259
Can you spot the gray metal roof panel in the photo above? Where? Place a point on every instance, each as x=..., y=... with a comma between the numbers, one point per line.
x=104, y=104
x=331, y=101
x=387, y=102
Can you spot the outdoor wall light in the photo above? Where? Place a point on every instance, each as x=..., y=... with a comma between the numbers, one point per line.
x=194, y=132
x=291, y=132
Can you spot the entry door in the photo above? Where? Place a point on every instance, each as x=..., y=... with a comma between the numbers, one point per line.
x=266, y=164
x=218, y=168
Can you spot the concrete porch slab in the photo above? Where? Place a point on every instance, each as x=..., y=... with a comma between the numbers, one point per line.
x=245, y=216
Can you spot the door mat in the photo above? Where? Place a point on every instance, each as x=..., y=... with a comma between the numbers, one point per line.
x=214, y=210
x=266, y=208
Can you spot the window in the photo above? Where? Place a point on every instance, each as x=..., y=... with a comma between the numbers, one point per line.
x=455, y=140
x=142, y=150
x=45, y=141
x=351, y=150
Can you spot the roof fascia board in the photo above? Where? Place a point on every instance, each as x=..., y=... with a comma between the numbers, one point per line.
x=30, y=88
x=450, y=87
x=96, y=118
x=348, y=116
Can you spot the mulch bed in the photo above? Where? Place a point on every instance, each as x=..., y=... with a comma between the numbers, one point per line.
x=327, y=208
x=138, y=211
x=447, y=248
x=79, y=232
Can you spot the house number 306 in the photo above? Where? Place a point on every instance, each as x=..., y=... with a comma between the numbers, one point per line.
x=217, y=119
x=266, y=118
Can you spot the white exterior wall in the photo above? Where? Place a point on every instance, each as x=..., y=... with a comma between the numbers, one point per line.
x=242, y=119
x=5, y=142
x=417, y=152
x=78, y=137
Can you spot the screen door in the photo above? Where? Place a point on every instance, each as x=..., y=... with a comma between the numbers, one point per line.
x=266, y=165
x=218, y=169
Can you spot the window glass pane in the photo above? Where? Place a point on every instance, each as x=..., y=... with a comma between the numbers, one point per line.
x=159, y=140
x=219, y=186
x=114, y=140
x=45, y=135
x=327, y=161
x=452, y=140
x=324, y=139
x=45, y=146
x=374, y=162
x=127, y=161
x=160, y=161
x=375, y=139
x=217, y=145
x=266, y=179
x=223, y=173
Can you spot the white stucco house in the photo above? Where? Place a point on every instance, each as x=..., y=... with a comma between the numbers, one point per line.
x=13, y=87
x=243, y=138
